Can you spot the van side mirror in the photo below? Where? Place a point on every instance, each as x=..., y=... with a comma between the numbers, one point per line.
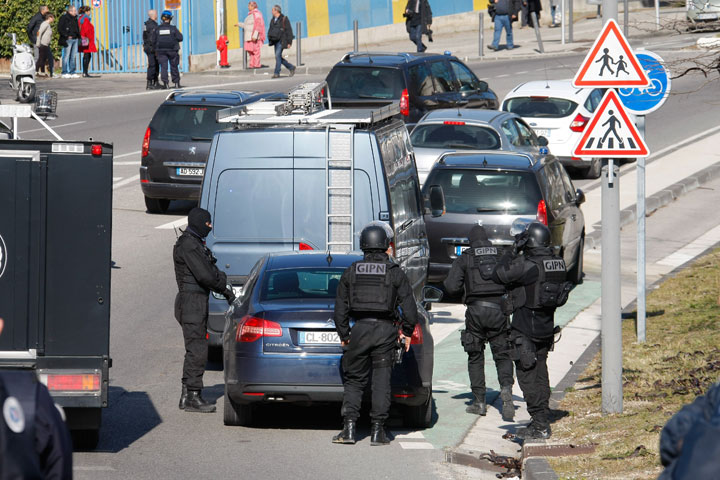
x=579, y=197
x=437, y=201
x=542, y=141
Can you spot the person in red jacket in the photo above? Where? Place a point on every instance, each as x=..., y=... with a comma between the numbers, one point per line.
x=87, y=39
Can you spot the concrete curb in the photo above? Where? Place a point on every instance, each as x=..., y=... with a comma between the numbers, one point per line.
x=658, y=200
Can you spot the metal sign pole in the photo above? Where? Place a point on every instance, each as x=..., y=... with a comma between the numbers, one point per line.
x=537, y=31
x=626, y=17
x=610, y=10
x=298, y=29
x=641, y=305
x=481, y=35
x=562, y=21
x=571, y=20
x=657, y=14
x=356, y=41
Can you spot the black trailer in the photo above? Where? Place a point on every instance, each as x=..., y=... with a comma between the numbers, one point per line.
x=55, y=240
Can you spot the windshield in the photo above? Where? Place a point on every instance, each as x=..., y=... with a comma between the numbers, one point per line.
x=185, y=123
x=540, y=107
x=487, y=191
x=455, y=136
x=301, y=283
x=365, y=83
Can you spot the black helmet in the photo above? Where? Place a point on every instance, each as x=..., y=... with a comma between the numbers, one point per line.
x=538, y=235
x=374, y=237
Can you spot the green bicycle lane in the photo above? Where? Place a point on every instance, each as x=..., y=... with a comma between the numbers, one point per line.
x=451, y=386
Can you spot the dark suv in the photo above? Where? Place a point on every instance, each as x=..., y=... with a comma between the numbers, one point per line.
x=177, y=142
x=418, y=81
x=502, y=190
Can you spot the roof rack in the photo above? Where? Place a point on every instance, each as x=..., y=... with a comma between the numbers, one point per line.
x=530, y=158
x=236, y=93
x=350, y=55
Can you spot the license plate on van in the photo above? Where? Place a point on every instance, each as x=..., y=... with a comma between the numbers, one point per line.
x=459, y=249
x=190, y=172
x=328, y=337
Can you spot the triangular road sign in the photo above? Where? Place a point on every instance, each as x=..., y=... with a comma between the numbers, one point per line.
x=611, y=133
x=611, y=62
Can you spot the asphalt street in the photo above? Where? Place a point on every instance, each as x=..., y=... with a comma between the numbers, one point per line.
x=144, y=435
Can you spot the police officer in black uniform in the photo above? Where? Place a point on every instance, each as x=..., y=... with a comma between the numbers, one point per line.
x=167, y=44
x=196, y=275
x=370, y=292
x=484, y=319
x=543, y=275
x=149, y=33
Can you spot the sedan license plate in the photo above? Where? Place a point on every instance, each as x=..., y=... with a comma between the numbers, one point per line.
x=328, y=337
x=707, y=16
x=542, y=132
x=190, y=172
x=459, y=249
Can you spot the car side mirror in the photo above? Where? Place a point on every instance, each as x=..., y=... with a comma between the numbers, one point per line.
x=432, y=294
x=437, y=201
x=482, y=86
x=542, y=141
x=579, y=197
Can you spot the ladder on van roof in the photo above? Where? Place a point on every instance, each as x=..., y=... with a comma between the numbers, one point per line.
x=339, y=179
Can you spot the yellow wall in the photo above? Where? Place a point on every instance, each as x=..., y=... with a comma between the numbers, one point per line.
x=318, y=19
x=231, y=18
x=480, y=4
x=398, y=7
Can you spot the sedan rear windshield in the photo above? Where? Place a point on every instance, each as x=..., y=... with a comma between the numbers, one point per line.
x=455, y=136
x=540, y=107
x=185, y=123
x=365, y=83
x=302, y=283
x=487, y=191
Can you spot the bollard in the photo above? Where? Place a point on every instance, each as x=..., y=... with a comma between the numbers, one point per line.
x=298, y=29
x=244, y=52
x=537, y=31
x=562, y=22
x=571, y=20
x=356, y=43
x=481, y=35
x=626, y=17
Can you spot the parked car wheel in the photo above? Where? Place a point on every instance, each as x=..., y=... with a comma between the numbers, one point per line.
x=157, y=205
x=576, y=273
x=593, y=171
x=419, y=416
x=237, y=415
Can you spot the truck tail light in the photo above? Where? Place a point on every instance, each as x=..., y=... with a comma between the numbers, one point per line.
x=417, y=336
x=405, y=103
x=96, y=150
x=542, y=213
x=578, y=123
x=146, y=143
x=251, y=328
x=71, y=382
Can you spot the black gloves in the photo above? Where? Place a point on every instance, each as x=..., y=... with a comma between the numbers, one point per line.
x=229, y=296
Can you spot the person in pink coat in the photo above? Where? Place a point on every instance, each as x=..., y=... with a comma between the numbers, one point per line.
x=254, y=27
x=87, y=39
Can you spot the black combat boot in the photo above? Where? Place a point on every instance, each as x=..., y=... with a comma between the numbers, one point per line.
x=378, y=435
x=508, y=408
x=348, y=433
x=183, y=397
x=478, y=407
x=535, y=431
x=195, y=403
x=150, y=85
x=164, y=86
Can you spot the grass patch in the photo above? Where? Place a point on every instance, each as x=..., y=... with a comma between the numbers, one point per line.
x=679, y=361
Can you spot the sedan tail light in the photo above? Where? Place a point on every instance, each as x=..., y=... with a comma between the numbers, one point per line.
x=146, y=143
x=405, y=103
x=251, y=328
x=542, y=213
x=417, y=336
x=578, y=123
x=304, y=246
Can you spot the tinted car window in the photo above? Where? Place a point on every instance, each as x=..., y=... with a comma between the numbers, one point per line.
x=527, y=136
x=300, y=283
x=540, y=107
x=556, y=188
x=464, y=76
x=183, y=123
x=442, y=76
x=364, y=82
x=455, y=136
x=511, y=132
x=396, y=151
x=487, y=191
x=569, y=188
x=421, y=84
x=593, y=100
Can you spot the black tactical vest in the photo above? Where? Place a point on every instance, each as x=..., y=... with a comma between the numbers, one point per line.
x=479, y=277
x=551, y=288
x=18, y=457
x=166, y=38
x=183, y=276
x=371, y=288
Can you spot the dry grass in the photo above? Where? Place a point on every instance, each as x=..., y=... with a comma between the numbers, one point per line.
x=679, y=361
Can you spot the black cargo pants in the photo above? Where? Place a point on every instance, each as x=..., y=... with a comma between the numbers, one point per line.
x=191, y=311
x=532, y=375
x=487, y=324
x=171, y=58
x=152, y=65
x=371, y=349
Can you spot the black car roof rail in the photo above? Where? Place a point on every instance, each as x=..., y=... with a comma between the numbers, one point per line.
x=441, y=160
x=350, y=55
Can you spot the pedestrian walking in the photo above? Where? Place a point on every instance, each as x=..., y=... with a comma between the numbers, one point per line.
x=87, y=39
x=485, y=322
x=370, y=292
x=506, y=11
x=533, y=6
x=525, y=14
x=556, y=17
x=33, y=27
x=69, y=34
x=44, y=38
x=254, y=27
x=542, y=274
x=418, y=15
x=167, y=44
x=280, y=36
x=196, y=275
x=149, y=31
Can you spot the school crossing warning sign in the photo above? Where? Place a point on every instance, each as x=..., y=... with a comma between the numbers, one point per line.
x=611, y=62
x=611, y=133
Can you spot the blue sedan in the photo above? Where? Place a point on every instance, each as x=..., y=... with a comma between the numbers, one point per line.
x=280, y=343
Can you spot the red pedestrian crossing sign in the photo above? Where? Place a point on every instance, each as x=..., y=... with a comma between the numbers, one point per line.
x=611, y=63
x=611, y=133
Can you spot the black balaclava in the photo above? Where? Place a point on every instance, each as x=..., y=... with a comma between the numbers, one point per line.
x=478, y=237
x=197, y=219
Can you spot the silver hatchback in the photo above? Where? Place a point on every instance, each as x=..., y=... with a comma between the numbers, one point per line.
x=455, y=130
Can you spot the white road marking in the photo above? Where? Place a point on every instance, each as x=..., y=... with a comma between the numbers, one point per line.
x=173, y=225
x=692, y=249
x=408, y=435
x=54, y=127
x=503, y=75
x=450, y=386
x=115, y=179
x=122, y=183
x=119, y=164
x=126, y=154
x=520, y=73
x=89, y=468
x=416, y=446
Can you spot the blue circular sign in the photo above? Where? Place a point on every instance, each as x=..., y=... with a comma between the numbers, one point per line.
x=641, y=101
